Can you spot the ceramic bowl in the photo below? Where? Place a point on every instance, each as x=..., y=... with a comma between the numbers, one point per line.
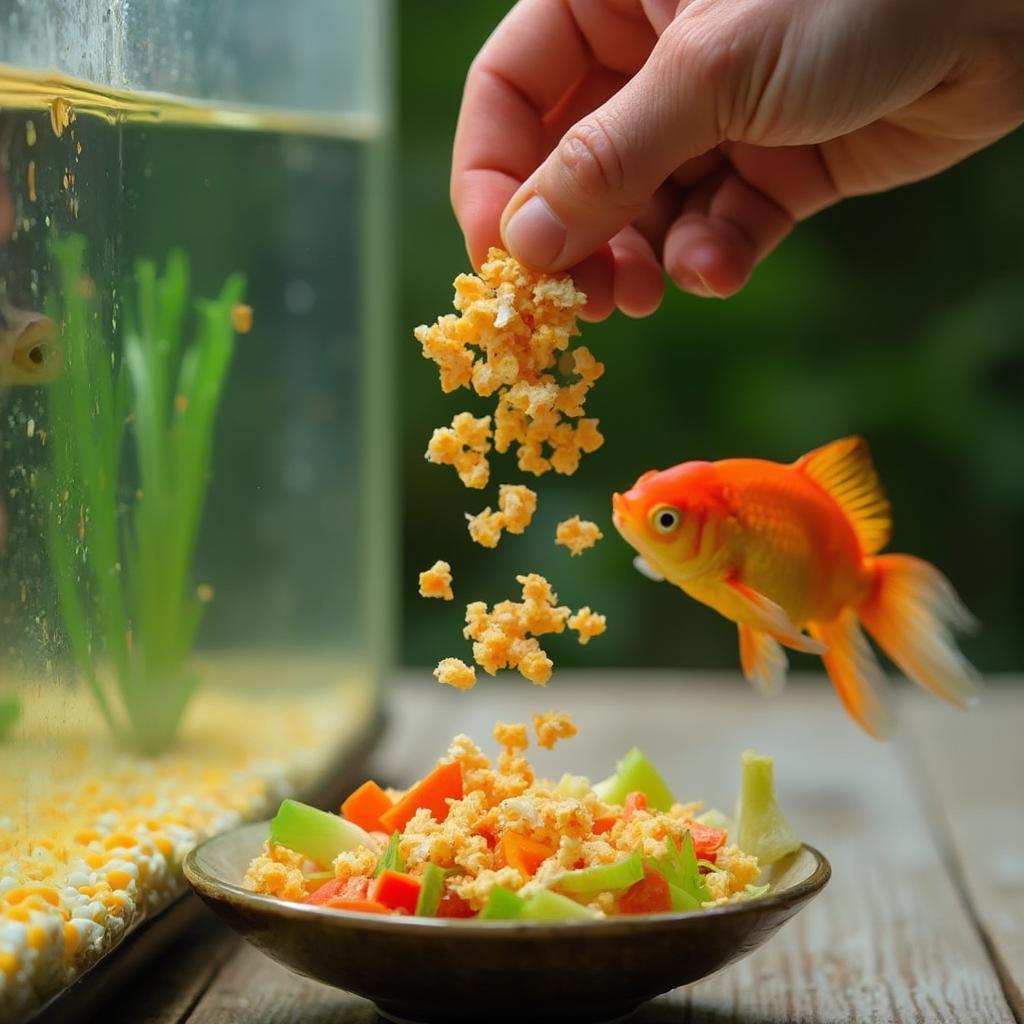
x=464, y=972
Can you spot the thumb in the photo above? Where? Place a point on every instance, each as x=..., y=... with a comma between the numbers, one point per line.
x=608, y=165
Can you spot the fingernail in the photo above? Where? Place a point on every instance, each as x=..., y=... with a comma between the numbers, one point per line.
x=534, y=235
x=689, y=280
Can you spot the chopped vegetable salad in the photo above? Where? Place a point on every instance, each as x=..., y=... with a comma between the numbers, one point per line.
x=476, y=839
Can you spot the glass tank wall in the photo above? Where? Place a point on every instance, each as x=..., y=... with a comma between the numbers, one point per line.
x=195, y=540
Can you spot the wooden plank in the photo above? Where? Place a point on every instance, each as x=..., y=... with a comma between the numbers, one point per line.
x=169, y=988
x=889, y=940
x=972, y=770
x=252, y=988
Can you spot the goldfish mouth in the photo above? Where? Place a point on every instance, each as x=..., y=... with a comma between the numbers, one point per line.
x=619, y=512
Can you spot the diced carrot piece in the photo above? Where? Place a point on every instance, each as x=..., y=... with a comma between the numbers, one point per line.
x=526, y=855
x=363, y=906
x=354, y=887
x=648, y=896
x=489, y=837
x=433, y=792
x=606, y=824
x=365, y=806
x=316, y=884
x=706, y=840
x=453, y=905
x=636, y=801
x=397, y=890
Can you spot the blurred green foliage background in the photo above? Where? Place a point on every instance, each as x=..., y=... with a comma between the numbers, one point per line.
x=900, y=317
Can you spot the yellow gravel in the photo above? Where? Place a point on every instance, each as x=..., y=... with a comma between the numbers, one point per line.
x=92, y=838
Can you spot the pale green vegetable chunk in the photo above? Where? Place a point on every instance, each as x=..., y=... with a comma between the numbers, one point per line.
x=550, y=906
x=501, y=905
x=602, y=877
x=431, y=890
x=636, y=774
x=316, y=834
x=761, y=828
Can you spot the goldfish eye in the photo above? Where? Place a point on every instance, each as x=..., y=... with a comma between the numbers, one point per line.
x=665, y=518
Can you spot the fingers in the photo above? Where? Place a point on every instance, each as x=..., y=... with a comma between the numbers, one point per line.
x=715, y=244
x=639, y=283
x=595, y=276
x=535, y=59
x=745, y=205
x=625, y=273
x=482, y=196
x=609, y=164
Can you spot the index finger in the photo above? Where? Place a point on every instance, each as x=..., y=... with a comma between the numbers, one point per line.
x=539, y=53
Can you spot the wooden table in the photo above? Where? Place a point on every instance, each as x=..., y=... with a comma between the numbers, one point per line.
x=923, y=919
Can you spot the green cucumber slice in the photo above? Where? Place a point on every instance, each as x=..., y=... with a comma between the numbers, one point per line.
x=636, y=773
x=316, y=834
x=502, y=904
x=603, y=877
x=431, y=888
x=550, y=906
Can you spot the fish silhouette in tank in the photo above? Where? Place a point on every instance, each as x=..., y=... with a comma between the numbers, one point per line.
x=790, y=553
x=29, y=354
x=29, y=349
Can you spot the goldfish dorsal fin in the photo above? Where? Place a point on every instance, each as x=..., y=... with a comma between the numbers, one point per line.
x=844, y=470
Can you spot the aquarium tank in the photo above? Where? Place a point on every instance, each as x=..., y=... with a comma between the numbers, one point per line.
x=195, y=499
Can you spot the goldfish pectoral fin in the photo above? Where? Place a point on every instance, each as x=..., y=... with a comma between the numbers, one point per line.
x=771, y=618
x=912, y=614
x=855, y=673
x=644, y=568
x=764, y=661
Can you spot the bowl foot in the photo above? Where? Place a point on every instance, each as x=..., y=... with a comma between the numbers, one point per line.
x=609, y=1013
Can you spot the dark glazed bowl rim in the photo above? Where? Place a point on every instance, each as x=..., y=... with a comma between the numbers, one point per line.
x=217, y=889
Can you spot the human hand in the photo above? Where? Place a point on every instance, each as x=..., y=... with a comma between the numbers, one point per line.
x=614, y=138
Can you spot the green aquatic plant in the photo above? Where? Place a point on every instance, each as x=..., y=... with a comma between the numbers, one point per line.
x=10, y=712
x=130, y=442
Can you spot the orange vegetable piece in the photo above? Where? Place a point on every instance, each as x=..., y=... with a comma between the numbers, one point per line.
x=433, y=792
x=706, y=840
x=355, y=887
x=635, y=801
x=365, y=806
x=397, y=890
x=526, y=855
x=363, y=906
x=453, y=905
x=648, y=896
x=602, y=825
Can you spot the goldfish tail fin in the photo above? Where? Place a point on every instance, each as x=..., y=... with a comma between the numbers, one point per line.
x=763, y=660
x=912, y=614
x=855, y=673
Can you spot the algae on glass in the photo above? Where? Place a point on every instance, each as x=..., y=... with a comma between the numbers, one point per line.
x=130, y=444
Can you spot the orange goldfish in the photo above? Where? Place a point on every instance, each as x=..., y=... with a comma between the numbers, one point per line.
x=790, y=550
